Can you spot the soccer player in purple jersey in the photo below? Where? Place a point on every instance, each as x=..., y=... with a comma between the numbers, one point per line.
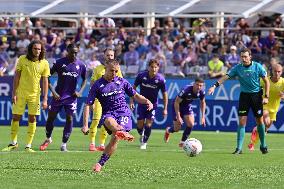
x=69, y=70
x=182, y=110
x=110, y=90
x=150, y=83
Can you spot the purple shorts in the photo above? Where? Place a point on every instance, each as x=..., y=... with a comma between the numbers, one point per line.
x=122, y=120
x=143, y=113
x=69, y=104
x=187, y=110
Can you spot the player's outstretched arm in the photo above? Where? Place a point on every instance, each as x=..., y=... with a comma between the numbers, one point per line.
x=142, y=100
x=85, y=128
x=219, y=82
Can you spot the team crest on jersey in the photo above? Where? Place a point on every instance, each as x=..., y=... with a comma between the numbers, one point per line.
x=156, y=81
x=145, y=78
x=77, y=67
x=198, y=94
x=117, y=82
x=64, y=65
x=102, y=85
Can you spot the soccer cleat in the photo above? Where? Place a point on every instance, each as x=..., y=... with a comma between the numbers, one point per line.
x=45, y=144
x=167, y=135
x=263, y=150
x=143, y=146
x=10, y=147
x=254, y=134
x=251, y=147
x=237, y=151
x=181, y=144
x=100, y=148
x=63, y=149
x=97, y=168
x=122, y=135
x=28, y=149
x=92, y=147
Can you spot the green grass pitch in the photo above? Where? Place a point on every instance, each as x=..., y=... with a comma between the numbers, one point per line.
x=160, y=166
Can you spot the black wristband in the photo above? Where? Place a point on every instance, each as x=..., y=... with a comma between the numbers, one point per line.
x=217, y=84
x=266, y=96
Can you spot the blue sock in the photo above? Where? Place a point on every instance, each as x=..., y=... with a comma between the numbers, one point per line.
x=171, y=130
x=186, y=133
x=261, y=132
x=240, y=136
x=147, y=133
x=103, y=159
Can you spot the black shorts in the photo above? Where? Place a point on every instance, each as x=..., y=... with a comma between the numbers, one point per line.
x=250, y=100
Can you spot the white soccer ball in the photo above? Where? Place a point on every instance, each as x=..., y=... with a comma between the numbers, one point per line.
x=192, y=147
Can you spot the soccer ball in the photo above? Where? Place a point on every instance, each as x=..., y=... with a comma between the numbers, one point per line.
x=192, y=147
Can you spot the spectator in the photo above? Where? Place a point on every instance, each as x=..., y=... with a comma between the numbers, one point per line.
x=215, y=67
x=22, y=43
x=232, y=58
x=131, y=57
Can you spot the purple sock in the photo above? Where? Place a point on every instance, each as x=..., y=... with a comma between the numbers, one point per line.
x=140, y=131
x=49, y=128
x=147, y=133
x=171, y=130
x=103, y=159
x=67, y=129
x=186, y=133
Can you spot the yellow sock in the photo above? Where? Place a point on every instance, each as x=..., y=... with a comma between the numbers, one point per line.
x=93, y=130
x=103, y=136
x=31, y=133
x=15, y=125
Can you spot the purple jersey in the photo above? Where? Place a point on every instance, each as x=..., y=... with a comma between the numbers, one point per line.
x=68, y=76
x=111, y=95
x=187, y=95
x=149, y=87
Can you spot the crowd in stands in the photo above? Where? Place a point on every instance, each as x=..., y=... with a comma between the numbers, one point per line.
x=183, y=46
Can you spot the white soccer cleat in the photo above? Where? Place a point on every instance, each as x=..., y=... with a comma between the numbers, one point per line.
x=143, y=146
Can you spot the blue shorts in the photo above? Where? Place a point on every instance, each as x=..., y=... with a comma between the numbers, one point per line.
x=143, y=113
x=69, y=105
x=122, y=120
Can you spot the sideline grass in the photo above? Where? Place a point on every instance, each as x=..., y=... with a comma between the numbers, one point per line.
x=160, y=166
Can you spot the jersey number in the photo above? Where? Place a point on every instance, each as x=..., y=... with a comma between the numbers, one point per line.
x=123, y=120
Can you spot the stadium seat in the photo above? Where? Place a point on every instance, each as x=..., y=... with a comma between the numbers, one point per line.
x=132, y=70
x=204, y=71
x=171, y=70
x=194, y=71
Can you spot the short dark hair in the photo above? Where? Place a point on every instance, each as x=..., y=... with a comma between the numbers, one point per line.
x=199, y=80
x=71, y=46
x=30, y=56
x=246, y=50
x=153, y=61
